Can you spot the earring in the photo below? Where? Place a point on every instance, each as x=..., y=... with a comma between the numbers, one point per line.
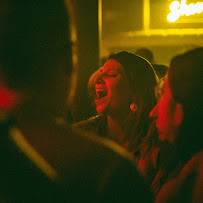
x=133, y=107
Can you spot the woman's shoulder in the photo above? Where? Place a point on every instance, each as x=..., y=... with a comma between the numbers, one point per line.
x=188, y=185
x=193, y=165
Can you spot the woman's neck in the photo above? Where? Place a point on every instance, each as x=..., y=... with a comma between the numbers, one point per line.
x=115, y=130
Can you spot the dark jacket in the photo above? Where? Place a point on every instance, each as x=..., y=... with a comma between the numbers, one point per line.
x=96, y=124
x=69, y=167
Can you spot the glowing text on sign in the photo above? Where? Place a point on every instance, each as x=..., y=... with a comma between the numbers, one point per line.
x=179, y=9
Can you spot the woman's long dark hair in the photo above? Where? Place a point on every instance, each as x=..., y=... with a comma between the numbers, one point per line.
x=142, y=80
x=185, y=80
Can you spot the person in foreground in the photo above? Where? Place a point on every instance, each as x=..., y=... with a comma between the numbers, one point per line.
x=178, y=116
x=124, y=89
x=43, y=160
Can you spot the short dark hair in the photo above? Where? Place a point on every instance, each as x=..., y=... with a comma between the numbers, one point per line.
x=35, y=35
x=146, y=53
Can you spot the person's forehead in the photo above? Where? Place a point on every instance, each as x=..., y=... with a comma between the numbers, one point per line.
x=161, y=87
x=112, y=64
x=166, y=87
x=165, y=83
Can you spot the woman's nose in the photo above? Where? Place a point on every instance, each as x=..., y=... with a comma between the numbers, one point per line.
x=98, y=79
x=154, y=112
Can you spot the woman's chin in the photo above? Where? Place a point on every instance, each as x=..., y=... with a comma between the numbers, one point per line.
x=101, y=105
x=100, y=109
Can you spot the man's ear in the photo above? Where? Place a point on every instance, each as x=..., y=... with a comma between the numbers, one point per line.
x=178, y=115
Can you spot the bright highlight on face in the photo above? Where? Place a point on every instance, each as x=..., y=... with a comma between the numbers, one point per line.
x=166, y=114
x=112, y=88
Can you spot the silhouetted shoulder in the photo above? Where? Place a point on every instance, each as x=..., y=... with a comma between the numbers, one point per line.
x=75, y=166
x=187, y=186
x=104, y=170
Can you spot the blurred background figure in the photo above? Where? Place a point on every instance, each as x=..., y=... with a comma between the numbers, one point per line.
x=146, y=53
x=124, y=88
x=178, y=116
x=42, y=158
x=160, y=69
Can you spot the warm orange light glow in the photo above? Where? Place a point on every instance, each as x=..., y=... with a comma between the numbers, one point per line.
x=180, y=9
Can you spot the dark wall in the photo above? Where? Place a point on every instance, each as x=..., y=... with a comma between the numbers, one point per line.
x=88, y=55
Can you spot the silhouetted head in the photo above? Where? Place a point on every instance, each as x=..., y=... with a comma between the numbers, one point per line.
x=146, y=53
x=178, y=113
x=35, y=49
x=185, y=80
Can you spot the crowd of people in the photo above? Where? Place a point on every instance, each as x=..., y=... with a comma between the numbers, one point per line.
x=144, y=145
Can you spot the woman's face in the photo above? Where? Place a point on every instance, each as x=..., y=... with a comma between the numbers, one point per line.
x=112, y=89
x=167, y=114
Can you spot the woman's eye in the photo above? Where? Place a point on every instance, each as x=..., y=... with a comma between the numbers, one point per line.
x=112, y=74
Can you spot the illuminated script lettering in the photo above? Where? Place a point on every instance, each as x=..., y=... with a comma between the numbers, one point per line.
x=180, y=9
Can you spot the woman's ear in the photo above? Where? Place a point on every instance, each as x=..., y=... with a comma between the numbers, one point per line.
x=178, y=115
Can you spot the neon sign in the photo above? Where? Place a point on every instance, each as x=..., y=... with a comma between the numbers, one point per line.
x=180, y=9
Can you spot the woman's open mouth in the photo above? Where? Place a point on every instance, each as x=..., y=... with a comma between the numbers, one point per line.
x=100, y=94
x=101, y=99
